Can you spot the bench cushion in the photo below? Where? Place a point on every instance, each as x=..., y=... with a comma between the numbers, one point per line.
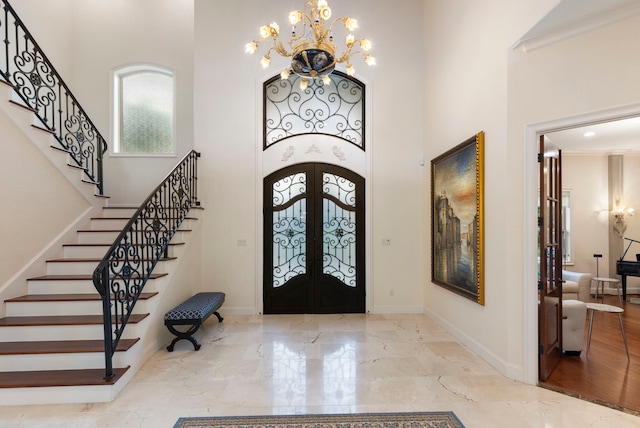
x=198, y=306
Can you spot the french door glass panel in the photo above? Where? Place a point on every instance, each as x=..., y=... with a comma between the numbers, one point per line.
x=339, y=228
x=289, y=228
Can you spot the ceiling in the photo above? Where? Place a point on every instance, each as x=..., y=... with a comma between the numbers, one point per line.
x=616, y=137
x=573, y=12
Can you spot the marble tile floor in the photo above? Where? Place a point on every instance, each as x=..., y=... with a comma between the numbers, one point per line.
x=287, y=364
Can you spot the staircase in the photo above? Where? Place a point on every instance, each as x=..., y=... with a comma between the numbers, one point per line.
x=52, y=339
x=52, y=334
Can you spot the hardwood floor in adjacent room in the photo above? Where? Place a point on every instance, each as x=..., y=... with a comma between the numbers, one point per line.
x=605, y=375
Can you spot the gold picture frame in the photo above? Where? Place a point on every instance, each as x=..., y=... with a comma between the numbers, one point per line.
x=457, y=219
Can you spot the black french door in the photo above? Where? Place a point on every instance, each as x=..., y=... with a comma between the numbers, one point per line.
x=314, y=240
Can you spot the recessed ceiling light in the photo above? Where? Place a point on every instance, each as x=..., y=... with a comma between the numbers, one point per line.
x=589, y=134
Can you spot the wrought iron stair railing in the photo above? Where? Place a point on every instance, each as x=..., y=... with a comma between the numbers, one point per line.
x=34, y=79
x=123, y=272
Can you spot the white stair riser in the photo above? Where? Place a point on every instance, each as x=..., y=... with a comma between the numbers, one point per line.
x=103, y=237
x=126, y=212
x=36, y=286
x=108, y=224
x=22, y=309
x=84, y=268
x=120, y=223
x=118, y=212
x=70, y=361
x=62, y=394
x=62, y=332
x=86, y=252
x=57, y=395
x=71, y=268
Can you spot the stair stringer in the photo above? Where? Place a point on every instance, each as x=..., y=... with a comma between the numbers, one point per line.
x=28, y=123
x=17, y=284
x=19, y=121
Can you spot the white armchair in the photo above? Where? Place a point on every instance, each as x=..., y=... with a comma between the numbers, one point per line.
x=575, y=293
x=577, y=285
x=574, y=313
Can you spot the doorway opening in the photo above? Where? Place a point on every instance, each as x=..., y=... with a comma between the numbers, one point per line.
x=314, y=261
x=559, y=132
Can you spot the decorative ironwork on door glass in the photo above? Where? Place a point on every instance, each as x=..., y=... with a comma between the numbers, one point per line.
x=339, y=228
x=289, y=228
x=335, y=109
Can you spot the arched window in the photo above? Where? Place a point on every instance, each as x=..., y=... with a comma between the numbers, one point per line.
x=143, y=111
x=335, y=108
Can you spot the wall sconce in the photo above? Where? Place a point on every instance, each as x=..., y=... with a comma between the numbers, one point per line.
x=620, y=212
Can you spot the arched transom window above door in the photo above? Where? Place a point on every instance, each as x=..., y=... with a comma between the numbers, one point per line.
x=336, y=108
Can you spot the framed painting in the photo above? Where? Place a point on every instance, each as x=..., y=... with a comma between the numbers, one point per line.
x=457, y=219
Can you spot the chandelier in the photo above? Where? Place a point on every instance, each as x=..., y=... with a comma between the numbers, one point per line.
x=312, y=50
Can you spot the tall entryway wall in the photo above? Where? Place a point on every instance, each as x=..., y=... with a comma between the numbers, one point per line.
x=314, y=168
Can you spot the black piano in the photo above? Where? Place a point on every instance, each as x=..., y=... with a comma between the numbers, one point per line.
x=627, y=268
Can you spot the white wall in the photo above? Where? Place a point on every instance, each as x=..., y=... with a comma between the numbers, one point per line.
x=227, y=131
x=25, y=231
x=466, y=50
x=586, y=177
x=86, y=39
x=575, y=80
x=49, y=22
x=468, y=79
x=589, y=210
x=108, y=35
x=631, y=193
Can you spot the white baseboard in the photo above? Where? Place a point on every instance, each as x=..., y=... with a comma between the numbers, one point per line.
x=388, y=309
x=509, y=370
x=238, y=310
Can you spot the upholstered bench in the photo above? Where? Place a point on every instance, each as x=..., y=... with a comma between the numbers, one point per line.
x=193, y=312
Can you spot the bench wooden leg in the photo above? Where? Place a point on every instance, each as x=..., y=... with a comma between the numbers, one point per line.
x=188, y=335
x=218, y=315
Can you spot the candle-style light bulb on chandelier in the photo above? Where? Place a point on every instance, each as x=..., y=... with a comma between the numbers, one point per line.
x=312, y=49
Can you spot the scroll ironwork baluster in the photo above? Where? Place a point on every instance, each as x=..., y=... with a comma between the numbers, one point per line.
x=41, y=88
x=129, y=262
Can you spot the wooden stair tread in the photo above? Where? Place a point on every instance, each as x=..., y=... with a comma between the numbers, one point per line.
x=119, y=230
x=69, y=297
x=84, y=277
x=61, y=346
x=71, y=260
x=21, y=105
x=109, y=245
x=129, y=218
x=53, y=320
x=50, y=378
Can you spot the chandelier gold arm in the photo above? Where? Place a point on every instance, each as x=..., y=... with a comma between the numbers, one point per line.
x=278, y=46
x=349, y=52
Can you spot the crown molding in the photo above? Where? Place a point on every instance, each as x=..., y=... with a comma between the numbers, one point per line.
x=580, y=26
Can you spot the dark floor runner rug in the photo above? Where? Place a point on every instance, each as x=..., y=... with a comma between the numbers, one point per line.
x=369, y=420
